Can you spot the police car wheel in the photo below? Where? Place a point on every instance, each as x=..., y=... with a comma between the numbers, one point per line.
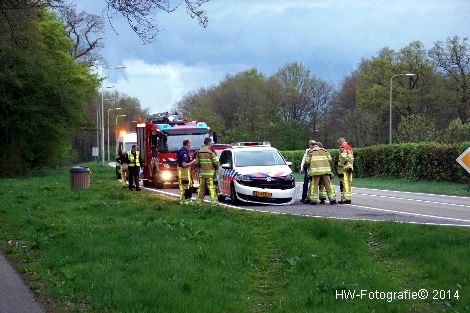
x=233, y=195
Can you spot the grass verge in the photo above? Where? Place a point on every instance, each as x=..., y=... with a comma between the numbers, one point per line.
x=400, y=184
x=106, y=249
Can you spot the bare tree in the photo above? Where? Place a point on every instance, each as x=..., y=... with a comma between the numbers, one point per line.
x=319, y=97
x=453, y=59
x=295, y=86
x=85, y=30
x=140, y=14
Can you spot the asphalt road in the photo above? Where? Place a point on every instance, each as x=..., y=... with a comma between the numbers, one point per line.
x=375, y=205
x=15, y=296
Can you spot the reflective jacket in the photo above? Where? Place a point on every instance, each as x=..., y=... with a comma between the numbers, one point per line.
x=318, y=160
x=134, y=161
x=207, y=162
x=345, y=158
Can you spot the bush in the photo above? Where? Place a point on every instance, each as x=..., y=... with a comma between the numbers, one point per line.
x=415, y=161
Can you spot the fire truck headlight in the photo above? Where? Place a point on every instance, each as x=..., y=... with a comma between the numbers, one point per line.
x=166, y=165
x=166, y=175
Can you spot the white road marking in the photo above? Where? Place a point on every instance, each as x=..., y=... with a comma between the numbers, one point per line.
x=410, y=213
x=335, y=218
x=415, y=193
x=409, y=199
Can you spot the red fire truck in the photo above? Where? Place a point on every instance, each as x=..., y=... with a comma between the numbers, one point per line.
x=160, y=137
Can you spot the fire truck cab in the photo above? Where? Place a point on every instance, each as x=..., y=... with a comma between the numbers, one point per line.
x=159, y=139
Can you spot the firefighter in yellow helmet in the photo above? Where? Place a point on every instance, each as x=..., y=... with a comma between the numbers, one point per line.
x=207, y=162
x=319, y=168
x=184, y=163
x=345, y=170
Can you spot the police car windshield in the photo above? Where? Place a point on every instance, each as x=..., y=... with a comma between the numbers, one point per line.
x=258, y=158
x=174, y=142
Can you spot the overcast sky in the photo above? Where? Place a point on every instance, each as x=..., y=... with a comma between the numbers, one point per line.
x=328, y=37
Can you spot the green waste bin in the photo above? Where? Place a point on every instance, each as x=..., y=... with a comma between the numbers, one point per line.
x=80, y=177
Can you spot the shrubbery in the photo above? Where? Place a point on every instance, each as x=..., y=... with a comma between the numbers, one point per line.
x=427, y=161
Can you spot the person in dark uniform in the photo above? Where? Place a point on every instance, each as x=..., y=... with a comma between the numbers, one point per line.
x=135, y=161
x=184, y=164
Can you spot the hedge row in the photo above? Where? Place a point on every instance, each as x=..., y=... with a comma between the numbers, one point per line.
x=415, y=161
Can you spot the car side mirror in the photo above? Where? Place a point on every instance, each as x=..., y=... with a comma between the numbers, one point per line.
x=225, y=166
x=289, y=163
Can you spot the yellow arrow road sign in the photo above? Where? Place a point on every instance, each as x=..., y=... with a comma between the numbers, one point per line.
x=464, y=160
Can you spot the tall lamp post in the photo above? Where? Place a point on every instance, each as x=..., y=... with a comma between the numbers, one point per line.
x=102, y=108
x=391, y=88
x=102, y=125
x=108, y=128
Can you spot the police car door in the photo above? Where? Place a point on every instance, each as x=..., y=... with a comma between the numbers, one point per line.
x=223, y=173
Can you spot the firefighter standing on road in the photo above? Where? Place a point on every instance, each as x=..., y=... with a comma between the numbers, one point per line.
x=345, y=169
x=184, y=164
x=135, y=161
x=323, y=192
x=319, y=168
x=208, y=163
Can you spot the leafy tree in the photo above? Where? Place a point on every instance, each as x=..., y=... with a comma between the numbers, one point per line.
x=453, y=60
x=457, y=132
x=43, y=94
x=416, y=128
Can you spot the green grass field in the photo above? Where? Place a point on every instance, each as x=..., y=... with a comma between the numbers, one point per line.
x=106, y=249
x=445, y=188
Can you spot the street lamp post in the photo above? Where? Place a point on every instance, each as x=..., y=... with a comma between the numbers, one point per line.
x=391, y=84
x=102, y=108
x=102, y=125
x=108, y=129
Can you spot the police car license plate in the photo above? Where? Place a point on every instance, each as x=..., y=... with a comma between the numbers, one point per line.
x=262, y=194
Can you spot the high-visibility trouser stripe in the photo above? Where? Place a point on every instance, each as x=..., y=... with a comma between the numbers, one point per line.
x=322, y=193
x=202, y=189
x=184, y=186
x=123, y=176
x=346, y=180
x=331, y=192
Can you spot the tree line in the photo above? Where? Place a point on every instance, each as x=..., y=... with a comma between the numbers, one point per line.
x=293, y=104
x=48, y=85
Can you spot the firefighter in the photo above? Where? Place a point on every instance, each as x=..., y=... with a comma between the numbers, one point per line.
x=345, y=170
x=135, y=162
x=307, y=178
x=323, y=194
x=123, y=159
x=184, y=164
x=319, y=168
x=207, y=163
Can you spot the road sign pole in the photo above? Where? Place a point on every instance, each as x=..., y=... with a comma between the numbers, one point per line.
x=468, y=183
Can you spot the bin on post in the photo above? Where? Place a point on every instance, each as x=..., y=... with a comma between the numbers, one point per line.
x=80, y=177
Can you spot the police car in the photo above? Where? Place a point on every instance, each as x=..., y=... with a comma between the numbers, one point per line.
x=255, y=172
